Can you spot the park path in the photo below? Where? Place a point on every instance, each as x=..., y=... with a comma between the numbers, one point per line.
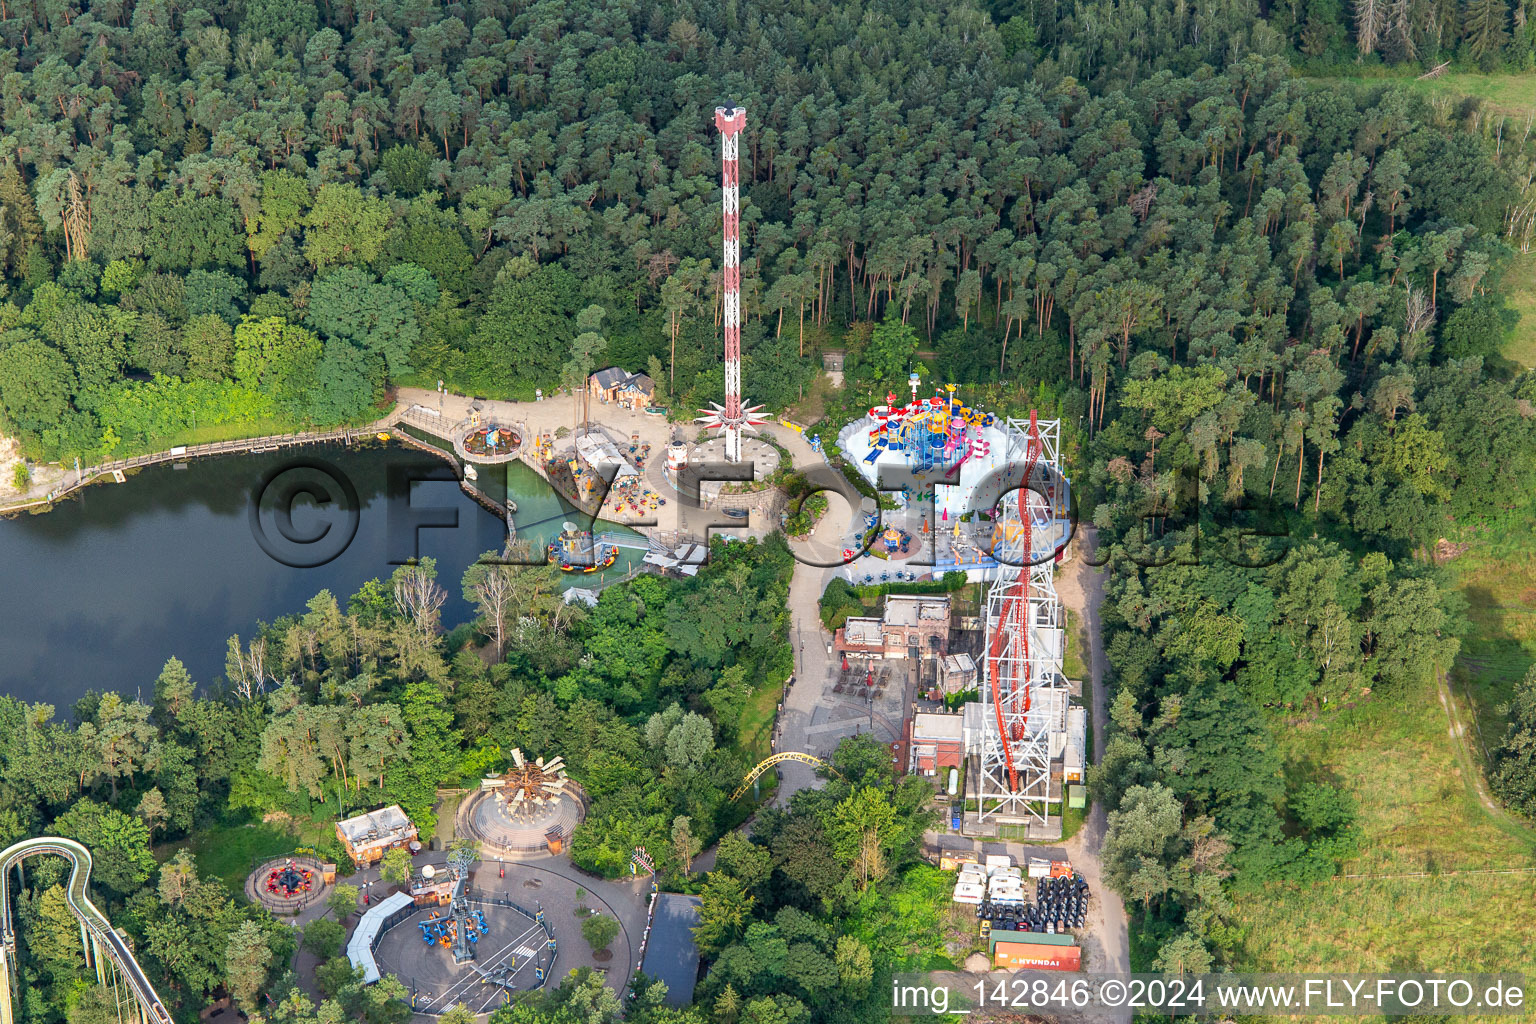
x=813, y=664
x=1081, y=588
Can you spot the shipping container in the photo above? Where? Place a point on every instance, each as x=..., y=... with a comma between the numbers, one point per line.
x=949, y=860
x=968, y=892
x=1037, y=956
x=1038, y=938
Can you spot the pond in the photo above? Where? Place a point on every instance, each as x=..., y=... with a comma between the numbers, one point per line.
x=103, y=589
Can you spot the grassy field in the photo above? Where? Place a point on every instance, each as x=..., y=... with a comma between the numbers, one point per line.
x=757, y=723
x=1520, y=289
x=1510, y=94
x=1497, y=575
x=1421, y=815
x=229, y=850
x=1418, y=814
x=1513, y=94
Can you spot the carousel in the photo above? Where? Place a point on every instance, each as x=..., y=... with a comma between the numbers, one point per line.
x=575, y=551
x=895, y=541
x=491, y=441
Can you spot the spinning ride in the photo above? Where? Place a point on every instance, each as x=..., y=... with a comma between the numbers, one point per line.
x=575, y=551
x=289, y=880
x=491, y=440
x=532, y=808
x=933, y=434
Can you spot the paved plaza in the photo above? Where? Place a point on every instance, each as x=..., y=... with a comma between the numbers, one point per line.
x=552, y=885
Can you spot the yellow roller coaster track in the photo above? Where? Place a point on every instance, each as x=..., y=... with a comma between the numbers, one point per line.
x=788, y=755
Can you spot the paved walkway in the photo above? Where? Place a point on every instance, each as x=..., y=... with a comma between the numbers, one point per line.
x=809, y=701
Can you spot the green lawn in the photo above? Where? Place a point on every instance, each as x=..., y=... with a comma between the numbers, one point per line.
x=1072, y=665
x=447, y=816
x=230, y=850
x=1497, y=575
x=1511, y=94
x=1504, y=94
x=756, y=731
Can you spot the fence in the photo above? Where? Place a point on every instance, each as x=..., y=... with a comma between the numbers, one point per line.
x=283, y=904
x=551, y=948
x=181, y=453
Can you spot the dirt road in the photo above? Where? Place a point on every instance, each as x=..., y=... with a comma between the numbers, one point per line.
x=1081, y=588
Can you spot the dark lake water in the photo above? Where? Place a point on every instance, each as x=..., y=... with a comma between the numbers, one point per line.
x=100, y=591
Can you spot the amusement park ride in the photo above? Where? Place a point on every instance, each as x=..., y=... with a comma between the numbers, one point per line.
x=462, y=928
x=732, y=418
x=535, y=782
x=768, y=762
x=1025, y=689
x=576, y=551
x=999, y=514
x=933, y=433
x=104, y=946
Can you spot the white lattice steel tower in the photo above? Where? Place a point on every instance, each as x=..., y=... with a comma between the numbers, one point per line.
x=732, y=418
x=1024, y=699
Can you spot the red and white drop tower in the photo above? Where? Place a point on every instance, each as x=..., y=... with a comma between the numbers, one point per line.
x=732, y=418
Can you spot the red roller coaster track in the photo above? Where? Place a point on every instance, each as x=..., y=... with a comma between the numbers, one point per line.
x=1014, y=618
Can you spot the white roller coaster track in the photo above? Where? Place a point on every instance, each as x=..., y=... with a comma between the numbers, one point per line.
x=105, y=947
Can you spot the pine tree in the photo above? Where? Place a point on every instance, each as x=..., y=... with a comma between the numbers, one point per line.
x=20, y=225
x=1486, y=29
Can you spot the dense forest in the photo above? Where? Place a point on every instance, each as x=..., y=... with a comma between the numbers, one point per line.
x=1261, y=303
x=242, y=215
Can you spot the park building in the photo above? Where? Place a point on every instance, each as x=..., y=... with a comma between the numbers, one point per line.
x=957, y=674
x=911, y=626
x=367, y=837
x=617, y=386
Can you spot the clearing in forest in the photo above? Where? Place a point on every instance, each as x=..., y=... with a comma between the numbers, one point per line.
x=1420, y=818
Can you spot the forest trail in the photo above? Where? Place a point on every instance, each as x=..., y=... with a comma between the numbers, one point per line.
x=1469, y=765
x=1081, y=588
